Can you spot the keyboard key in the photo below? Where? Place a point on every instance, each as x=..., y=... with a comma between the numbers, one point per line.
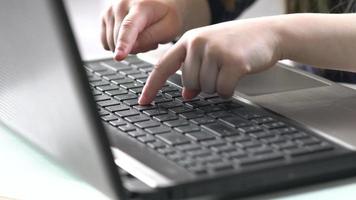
x=146, y=139
x=103, y=112
x=171, y=104
x=156, y=145
x=168, y=89
x=118, y=122
x=122, y=81
x=210, y=159
x=116, y=92
x=104, y=88
x=181, y=99
x=320, y=148
x=179, y=110
x=132, y=60
x=204, y=95
x=248, y=113
x=249, y=144
x=225, y=148
x=99, y=83
x=95, y=67
x=235, y=121
x=137, y=133
x=197, y=104
x=210, y=109
x=218, y=100
x=192, y=115
x=200, y=153
x=198, y=170
x=117, y=65
x=161, y=99
x=263, y=120
x=127, y=113
x=236, y=154
x=167, y=151
x=113, y=77
x=174, y=138
x=238, y=138
x=96, y=92
x=220, y=129
x=155, y=112
x=145, y=107
x=187, y=128
x=309, y=141
x=127, y=128
x=274, y=125
x=131, y=85
x=136, y=90
x=110, y=102
x=213, y=143
x=221, y=114
x=176, y=123
x=147, y=124
x=101, y=97
x=106, y=72
x=137, y=118
x=116, y=108
x=158, y=129
x=146, y=70
x=94, y=78
x=108, y=118
x=138, y=76
x=131, y=102
x=142, y=80
x=141, y=65
x=173, y=94
x=203, y=120
x=250, y=129
x=165, y=117
x=129, y=72
x=189, y=147
x=261, y=159
x=200, y=136
x=218, y=167
x=124, y=97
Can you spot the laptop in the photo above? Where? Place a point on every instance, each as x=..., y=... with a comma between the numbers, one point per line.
x=282, y=128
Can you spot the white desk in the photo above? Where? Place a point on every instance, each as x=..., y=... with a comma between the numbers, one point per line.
x=27, y=174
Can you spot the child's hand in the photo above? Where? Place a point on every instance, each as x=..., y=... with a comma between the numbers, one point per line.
x=214, y=58
x=132, y=26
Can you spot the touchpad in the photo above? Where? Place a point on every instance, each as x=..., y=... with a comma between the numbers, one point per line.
x=277, y=79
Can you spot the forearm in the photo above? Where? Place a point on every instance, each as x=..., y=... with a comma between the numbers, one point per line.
x=323, y=40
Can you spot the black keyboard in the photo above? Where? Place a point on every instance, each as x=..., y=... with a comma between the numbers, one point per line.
x=205, y=135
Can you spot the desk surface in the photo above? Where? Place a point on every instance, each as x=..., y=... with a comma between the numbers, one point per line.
x=27, y=174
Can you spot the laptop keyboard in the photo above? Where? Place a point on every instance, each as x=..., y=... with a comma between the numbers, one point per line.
x=205, y=135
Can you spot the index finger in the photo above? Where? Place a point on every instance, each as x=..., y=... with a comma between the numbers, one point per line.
x=131, y=26
x=167, y=66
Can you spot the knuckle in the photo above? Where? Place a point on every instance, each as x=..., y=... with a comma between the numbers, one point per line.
x=127, y=24
x=240, y=60
x=196, y=41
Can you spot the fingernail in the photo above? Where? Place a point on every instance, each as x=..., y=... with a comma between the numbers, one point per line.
x=141, y=100
x=119, y=52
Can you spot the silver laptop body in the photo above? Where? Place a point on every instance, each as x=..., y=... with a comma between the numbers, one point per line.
x=46, y=99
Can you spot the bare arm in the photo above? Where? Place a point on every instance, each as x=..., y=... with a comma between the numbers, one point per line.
x=323, y=40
